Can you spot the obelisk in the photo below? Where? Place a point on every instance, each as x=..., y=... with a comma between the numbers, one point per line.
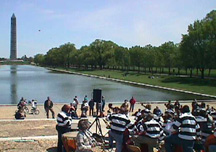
x=13, y=45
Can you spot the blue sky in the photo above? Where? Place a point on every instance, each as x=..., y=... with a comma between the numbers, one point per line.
x=125, y=22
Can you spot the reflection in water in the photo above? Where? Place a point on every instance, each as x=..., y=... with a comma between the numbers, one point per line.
x=13, y=85
x=38, y=83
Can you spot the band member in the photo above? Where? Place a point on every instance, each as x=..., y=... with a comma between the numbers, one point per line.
x=187, y=128
x=64, y=122
x=151, y=131
x=119, y=122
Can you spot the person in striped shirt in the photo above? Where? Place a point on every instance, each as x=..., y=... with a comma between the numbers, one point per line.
x=119, y=122
x=213, y=114
x=151, y=132
x=64, y=122
x=188, y=130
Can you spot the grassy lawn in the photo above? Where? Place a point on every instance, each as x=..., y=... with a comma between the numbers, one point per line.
x=184, y=83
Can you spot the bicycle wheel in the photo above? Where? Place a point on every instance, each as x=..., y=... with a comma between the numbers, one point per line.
x=32, y=111
x=36, y=112
x=26, y=110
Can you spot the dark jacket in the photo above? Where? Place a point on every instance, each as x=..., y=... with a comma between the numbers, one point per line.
x=48, y=106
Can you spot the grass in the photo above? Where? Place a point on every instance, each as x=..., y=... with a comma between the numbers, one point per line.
x=205, y=86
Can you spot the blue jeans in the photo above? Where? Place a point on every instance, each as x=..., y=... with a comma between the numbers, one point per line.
x=118, y=138
x=212, y=148
x=173, y=140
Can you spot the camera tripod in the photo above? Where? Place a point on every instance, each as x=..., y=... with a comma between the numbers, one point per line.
x=98, y=135
x=98, y=126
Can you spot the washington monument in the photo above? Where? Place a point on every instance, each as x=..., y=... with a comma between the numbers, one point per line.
x=13, y=44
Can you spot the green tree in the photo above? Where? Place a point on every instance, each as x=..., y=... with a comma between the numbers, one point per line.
x=168, y=51
x=102, y=51
x=39, y=59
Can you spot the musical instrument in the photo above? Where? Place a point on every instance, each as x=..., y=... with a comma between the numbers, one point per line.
x=147, y=106
x=69, y=141
x=132, y=148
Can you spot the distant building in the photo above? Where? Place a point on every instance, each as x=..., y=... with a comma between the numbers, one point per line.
x=13, y=43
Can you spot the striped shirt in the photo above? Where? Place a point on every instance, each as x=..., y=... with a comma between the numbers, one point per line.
x=63, y=120
x=146, y=111
x=187, y=126
x=206, y=127
x=153, y=129
x=213, y=114
x=119, y=122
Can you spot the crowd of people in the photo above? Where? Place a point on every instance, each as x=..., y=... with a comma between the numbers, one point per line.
x=22, y=108
x=179, y=127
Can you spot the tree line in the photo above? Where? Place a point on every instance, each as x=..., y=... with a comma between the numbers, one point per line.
x=197, y=50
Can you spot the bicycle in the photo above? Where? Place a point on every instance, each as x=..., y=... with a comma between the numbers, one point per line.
x=35, y=111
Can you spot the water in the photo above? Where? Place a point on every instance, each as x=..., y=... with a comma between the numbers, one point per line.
x=38, y=83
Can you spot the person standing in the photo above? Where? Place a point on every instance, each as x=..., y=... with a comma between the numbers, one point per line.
x=48, y=106
x=132, y=103
x=188, y=130
x=103, y=103
x=75, y=102
x=91, y=107
x=64, y=122
x=119, y=122
x=85, y=98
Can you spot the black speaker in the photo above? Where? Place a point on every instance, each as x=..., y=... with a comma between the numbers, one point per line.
x=97, y=95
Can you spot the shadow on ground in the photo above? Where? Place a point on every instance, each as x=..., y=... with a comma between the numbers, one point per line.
x=190, y=81
x=52, y=149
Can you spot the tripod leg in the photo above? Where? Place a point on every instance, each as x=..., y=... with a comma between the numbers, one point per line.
x=92, y=124
x=99, y=127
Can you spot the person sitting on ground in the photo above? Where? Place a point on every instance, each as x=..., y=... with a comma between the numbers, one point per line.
x=20, y=114
x=64, y=122
x=84, y=141
x=48, y=106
